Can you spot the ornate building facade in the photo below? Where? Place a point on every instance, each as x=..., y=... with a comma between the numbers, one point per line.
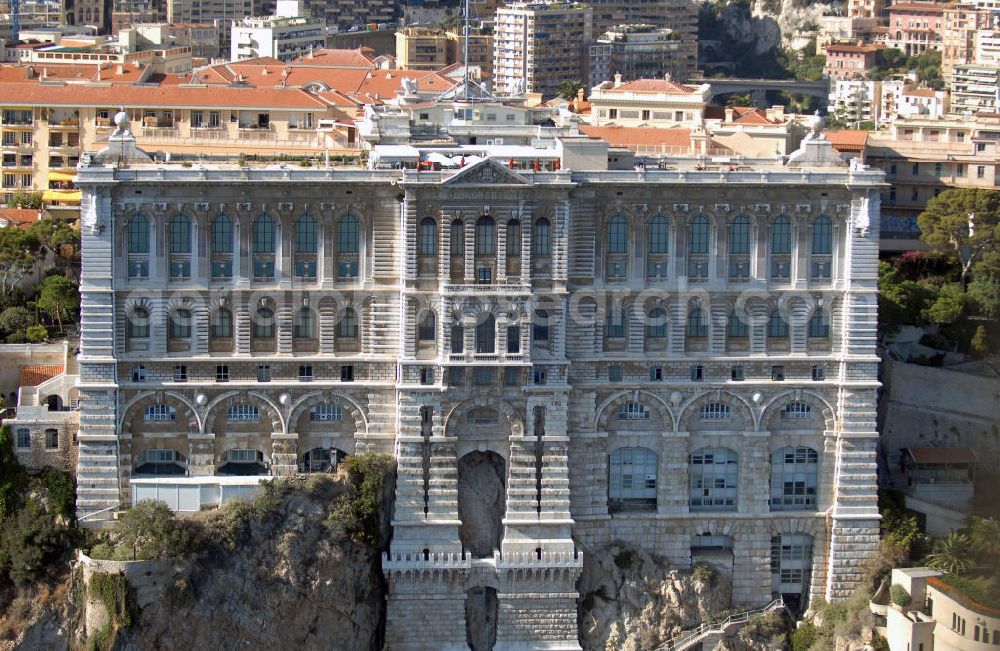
x=680, y=359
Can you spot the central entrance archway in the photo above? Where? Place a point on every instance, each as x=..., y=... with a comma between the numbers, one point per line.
x=481, y=501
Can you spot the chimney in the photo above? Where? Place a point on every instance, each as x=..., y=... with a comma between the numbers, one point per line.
x=667, y=76
x=729, y=115
x=618, y=79
x=579, y=97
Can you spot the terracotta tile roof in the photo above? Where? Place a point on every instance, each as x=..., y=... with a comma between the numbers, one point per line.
x=32, y=72
x=20, y=217
x=751, y=115
x=848, y=140
x=631, y=136
x=337, y=58
x=175, y=96
x=383, y=84
x=33, y=375
x=941, y=456
x=655, y=86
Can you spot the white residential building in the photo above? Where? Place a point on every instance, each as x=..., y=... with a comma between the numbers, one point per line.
x=285, y=36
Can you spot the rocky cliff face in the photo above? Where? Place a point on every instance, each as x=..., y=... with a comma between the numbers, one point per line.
x=292, y=580
x=632, y=601
x=764, y=25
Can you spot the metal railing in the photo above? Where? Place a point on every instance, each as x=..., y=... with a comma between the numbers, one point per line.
x=687, y=639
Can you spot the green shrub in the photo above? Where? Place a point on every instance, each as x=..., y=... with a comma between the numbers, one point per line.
x=366, y=473
x=36, y=333
x=13, y=478
x=148, y=530
x=15, y=319
x=899, y=595
x=61, y=491
x=703, y=573
x=804, y=637
x=29, y=542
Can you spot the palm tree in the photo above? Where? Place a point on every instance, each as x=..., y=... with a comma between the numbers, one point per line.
x=953, y=554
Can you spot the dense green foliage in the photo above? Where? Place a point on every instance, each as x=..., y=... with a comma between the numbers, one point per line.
x=13, y=478
x=32, y=200
x=899, y=595
x=570, y=88
x=952, y=554
x=900, y=527
x=149, y=530
x=367, y=474
x=892, y=62
x=60, y=297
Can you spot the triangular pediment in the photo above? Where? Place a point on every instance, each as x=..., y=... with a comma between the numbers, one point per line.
x=486, y=172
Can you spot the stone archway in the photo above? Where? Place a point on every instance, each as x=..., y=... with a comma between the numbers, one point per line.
x=481, y=610
x=481, y=501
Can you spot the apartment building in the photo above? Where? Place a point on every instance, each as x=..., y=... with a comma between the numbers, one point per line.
x=680, y=16
x=285, y=36
x=422, y=48
x=974, y=89
x=642, y=52
x=524, y=342
x=126, y=13
x=922, y=157
x=536, y=47
x=913, y=27
x=850, y=60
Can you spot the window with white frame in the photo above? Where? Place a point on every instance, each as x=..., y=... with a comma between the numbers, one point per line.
x=715, y=411
x=325, y=412
x=632, y=473
x=713, y=480
x=796, y=411
x=242, y=413
x=159, y=413
x=633, y=411
x=794, y=479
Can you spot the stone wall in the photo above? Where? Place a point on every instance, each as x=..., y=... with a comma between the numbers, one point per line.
x=927, y=407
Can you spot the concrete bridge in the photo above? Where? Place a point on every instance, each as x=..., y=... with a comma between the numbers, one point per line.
x=758, y=87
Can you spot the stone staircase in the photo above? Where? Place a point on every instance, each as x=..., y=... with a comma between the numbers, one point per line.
x=696, y=636
x=385, y=312
x=97, y=482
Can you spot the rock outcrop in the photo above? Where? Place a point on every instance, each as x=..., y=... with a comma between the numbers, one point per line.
x=633, y=601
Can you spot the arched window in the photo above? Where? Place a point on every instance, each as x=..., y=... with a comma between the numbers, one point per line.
x=305, y=323
x=658, y=235
x=513, y=238
x=180, y=234
x=656, y=323
x=618, y=235
x=348, y=326
x=713, y=476
x=794, y=479
x=428, y=237
x=221, y=326
x=777, y=327
x=138, y=323
x=819, y=323
x=739, y=235
x=426, y=328
x=781, y=235
x=486, y=236
x=616, y=323
x=179, y=325
x=457, y=238
x=347, y=235
x=457, y=339
x=822, y=236
x=486, y=333
x=263, y=234
x=697, y=326
x=138, y=234
x=263, y=323
x=736, y=327
x=540, y=326
x=305, y=234
x=542, y=242
x=222, y=234
x=632, y=480
x=698, y=244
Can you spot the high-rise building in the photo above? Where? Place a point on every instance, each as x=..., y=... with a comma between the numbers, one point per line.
x=126, y=13
x=536, y=47
x=642, y=51
x=681, y=16
x=421, y=48
x=285, y=36
x=558, y=357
